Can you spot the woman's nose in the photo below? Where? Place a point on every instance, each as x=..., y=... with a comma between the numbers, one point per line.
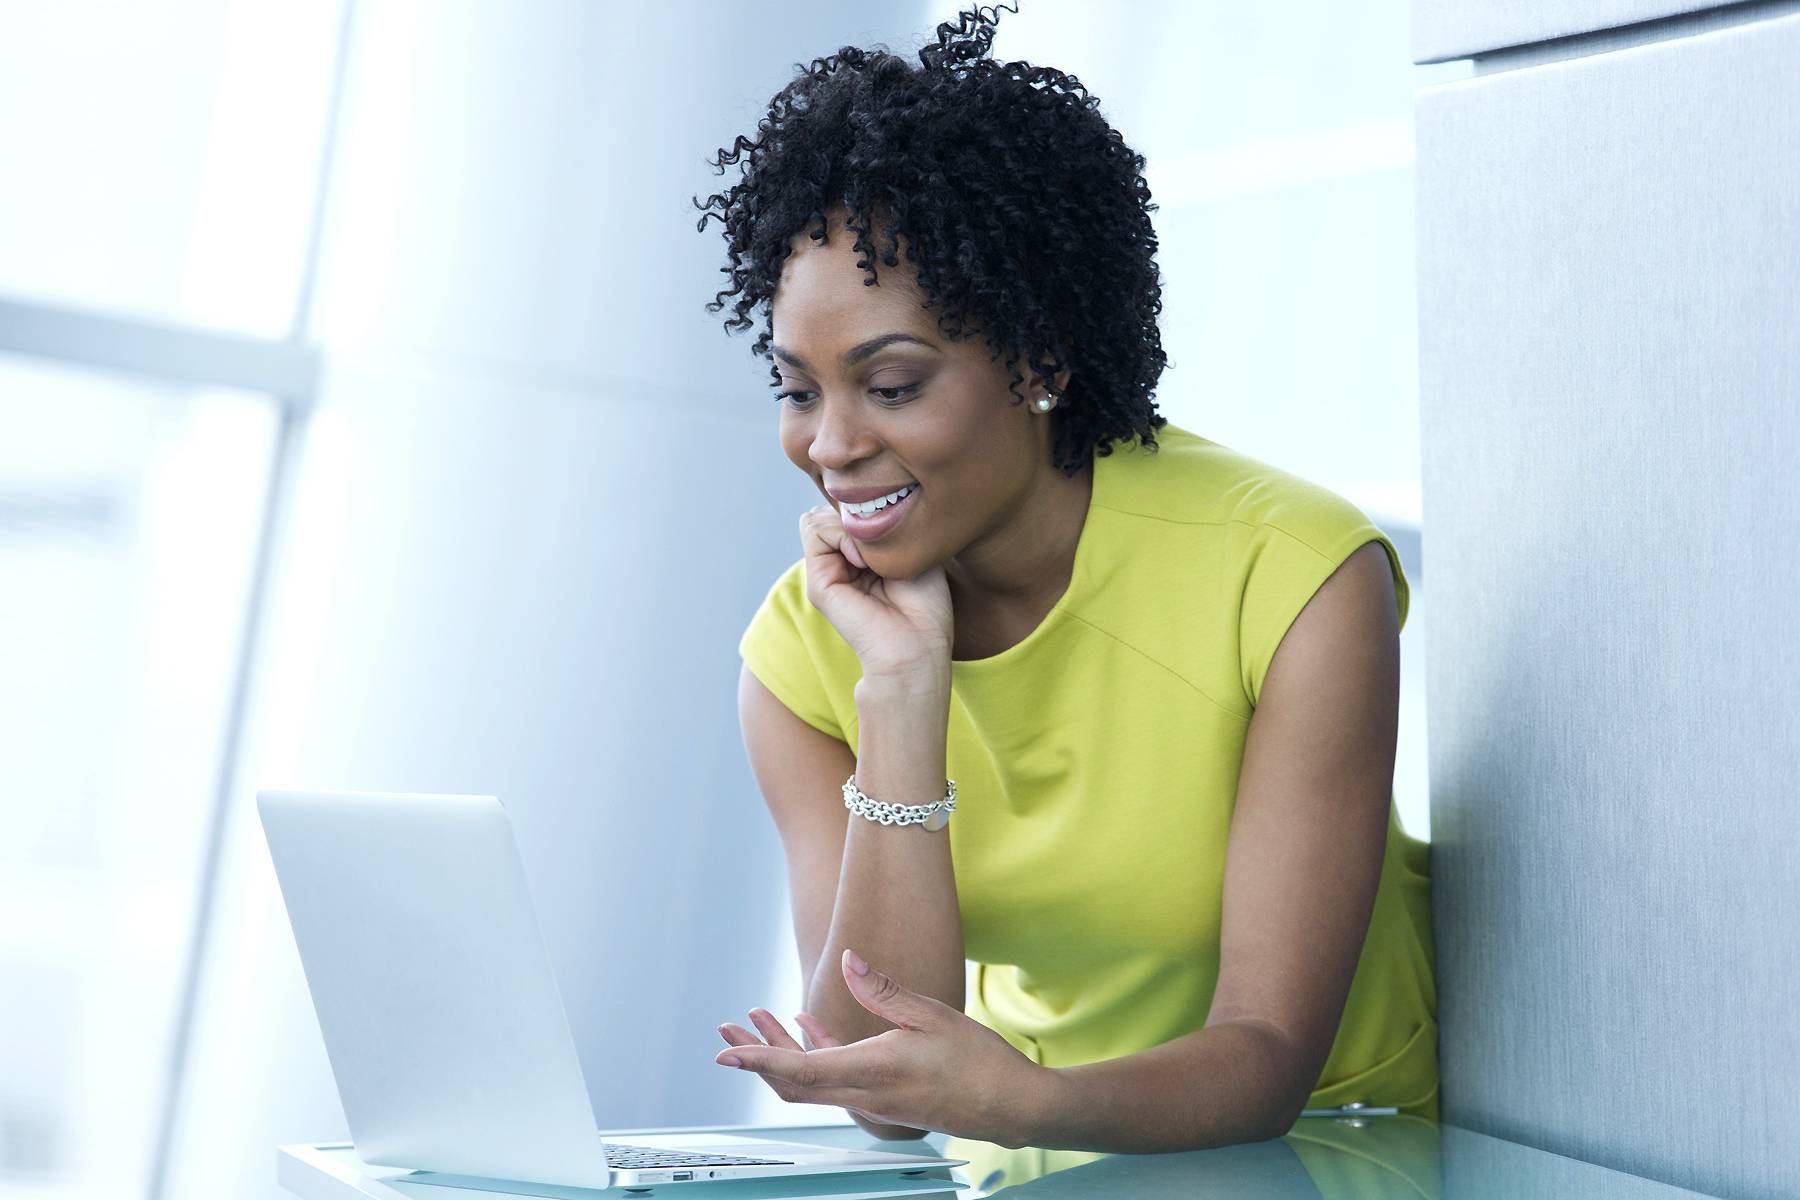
x=838, y=438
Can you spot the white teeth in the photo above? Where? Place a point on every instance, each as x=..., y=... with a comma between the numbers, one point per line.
x=871, y=507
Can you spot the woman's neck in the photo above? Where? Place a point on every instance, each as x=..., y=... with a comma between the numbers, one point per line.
x=1003, y=586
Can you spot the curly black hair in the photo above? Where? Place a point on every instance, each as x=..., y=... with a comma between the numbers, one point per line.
x=1024, y=212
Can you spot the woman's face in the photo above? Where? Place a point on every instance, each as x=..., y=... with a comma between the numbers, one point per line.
x=866, y=413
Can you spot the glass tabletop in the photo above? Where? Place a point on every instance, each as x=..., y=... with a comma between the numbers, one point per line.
x=1398, y=1157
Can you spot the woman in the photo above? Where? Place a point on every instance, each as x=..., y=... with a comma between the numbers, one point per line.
x=1164, y=676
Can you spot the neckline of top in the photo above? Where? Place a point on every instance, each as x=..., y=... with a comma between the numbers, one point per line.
x=1103, y=469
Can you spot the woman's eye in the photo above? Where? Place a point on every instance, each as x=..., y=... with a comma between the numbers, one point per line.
x=902, y=393
x=889, y=395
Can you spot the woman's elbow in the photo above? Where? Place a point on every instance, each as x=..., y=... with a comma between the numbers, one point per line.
x=890, y=1133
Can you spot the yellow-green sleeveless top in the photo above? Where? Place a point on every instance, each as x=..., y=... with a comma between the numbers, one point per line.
x=1096, y=765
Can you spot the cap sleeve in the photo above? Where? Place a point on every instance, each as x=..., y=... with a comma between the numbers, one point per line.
x=788, y=647
x=1282, y=572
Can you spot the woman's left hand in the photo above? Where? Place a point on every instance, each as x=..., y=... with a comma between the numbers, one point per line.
x=940, y=1070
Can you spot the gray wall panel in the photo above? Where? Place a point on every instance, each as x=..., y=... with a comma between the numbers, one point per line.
x=1609, y=382
x=1447, y=29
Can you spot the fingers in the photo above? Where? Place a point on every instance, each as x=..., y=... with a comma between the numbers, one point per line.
x=772, y=1030
x=815, y=1029
x=828, y=1074
x=822, y=535
x=884, y=996
x=771, y=1062
x=818, y=1076
x=737, y=1035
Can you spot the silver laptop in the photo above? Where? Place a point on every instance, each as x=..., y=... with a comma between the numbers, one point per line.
x=442, y=1019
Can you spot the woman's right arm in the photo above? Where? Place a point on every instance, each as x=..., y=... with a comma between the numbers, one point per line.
x=886, y=891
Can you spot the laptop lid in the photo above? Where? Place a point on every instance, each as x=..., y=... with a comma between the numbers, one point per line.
x=442, y=1020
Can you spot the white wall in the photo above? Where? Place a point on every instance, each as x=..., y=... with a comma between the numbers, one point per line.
x=537, y=503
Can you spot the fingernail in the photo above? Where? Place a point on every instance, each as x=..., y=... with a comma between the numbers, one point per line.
x=730, y=1060
x=856, y=964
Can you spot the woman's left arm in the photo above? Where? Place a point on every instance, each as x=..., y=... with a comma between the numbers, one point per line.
x=1301, y=870
x=1302, y=866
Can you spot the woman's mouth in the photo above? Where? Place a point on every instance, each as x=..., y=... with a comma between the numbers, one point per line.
x=878, y=523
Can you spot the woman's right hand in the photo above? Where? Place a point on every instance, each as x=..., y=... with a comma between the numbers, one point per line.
x=899, y=628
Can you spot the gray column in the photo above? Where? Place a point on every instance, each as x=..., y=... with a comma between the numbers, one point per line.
x=1609, y=231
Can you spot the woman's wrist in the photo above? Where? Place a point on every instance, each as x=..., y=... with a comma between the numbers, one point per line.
x=902, y=737
x=915, y=689
x=1045, y=1102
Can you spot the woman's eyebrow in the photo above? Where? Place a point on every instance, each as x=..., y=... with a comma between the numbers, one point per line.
x=857, y=353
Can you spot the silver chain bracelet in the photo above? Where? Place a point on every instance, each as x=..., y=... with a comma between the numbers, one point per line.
x=899, y=814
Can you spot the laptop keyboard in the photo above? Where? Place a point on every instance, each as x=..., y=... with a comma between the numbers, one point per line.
x=635, y=1157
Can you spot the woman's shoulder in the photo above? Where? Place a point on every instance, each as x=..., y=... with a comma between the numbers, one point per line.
x=786, y=607
x=1189, y=479
x=788, y=592
x=1239, y=544
x=799, y=655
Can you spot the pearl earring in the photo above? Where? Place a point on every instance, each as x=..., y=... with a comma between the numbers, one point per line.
x=1045, y=401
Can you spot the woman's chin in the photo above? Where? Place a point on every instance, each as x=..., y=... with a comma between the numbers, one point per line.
x=887, y=564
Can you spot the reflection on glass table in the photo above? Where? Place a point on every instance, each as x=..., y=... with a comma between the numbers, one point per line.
x=1399, y=1157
